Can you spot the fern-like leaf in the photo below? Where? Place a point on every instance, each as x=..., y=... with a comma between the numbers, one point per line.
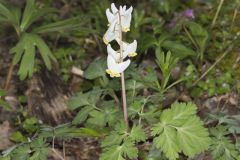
x=25, y=51
x=180, y=130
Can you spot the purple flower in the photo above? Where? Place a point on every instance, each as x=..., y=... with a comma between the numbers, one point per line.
x=189, y=13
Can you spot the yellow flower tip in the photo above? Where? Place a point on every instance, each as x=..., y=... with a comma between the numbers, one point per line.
x=108, y=24
x=132, y=54
x=112, y=73
x=105, y=41
x=126, y=29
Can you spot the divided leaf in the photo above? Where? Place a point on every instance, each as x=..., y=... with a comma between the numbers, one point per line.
x=82, y=115
x=60, y=26
x=32, y=13
x=25, y=51
x=119, y=152
x=83, y=99
x=137, y=134
x=86, y=102
x=120, y=144
x=66, y=131
x=180, y=130
x=221, y=147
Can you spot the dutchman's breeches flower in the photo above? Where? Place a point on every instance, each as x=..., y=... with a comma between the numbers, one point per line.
x=111, y=34
x=114, y=68
x=130, y=49
x=119, y=21
x=126, y=16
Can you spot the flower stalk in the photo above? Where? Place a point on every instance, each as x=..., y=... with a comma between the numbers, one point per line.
x=119, y=20
x=124, y=99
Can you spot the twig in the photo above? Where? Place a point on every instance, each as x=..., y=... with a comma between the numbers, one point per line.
x=64, y=151
x=9, y=76
x=10, y=71
x=53, y=149
x=53, y=142
x=59, y=155
x=124, y=99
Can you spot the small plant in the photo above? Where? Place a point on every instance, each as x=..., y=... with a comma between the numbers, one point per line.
x=38, y=148
x=30, y=41
x=119, y=21
x=171, y=131
x=222, y=147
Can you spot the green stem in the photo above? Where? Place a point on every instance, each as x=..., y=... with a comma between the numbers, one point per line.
x=217, y=13
x=215, y=63
x=234, y=17
x=191, y=38
x=173, y=84
x=124, y=99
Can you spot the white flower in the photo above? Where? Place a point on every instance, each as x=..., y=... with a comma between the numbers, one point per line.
x=115, y=54
x=114, y=8
x=110, y=16
x=126, y=16
x=130, y=49
x=115, y=69
x=111, y=34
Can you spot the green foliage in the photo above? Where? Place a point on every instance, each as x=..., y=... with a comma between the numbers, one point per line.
x=155, y=154
x=178, y=49
x=137, y=134
x=146, y=41
x=67, y=57
x=149, y=79
x=180, y=130
x=211, y=85
x=139, y=110
x=37, y=149
x=10, y=15
x=31, y=14
x=107, y=115
x=25, y=51
x=28, y=127
x=96, y=69
x=120, y=144
x=60, y=26
x=199, y=37
x=31, y=125
x=166, y=63
x=221, y=146
x=118, y=152
x=34, y=150
x=160, y=28
x=66, y=131
x=232, y=122
x=166, y=6
x=18, y=137
x=87, y=103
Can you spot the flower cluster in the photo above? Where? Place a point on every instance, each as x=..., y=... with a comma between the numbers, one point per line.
x=119, y=21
